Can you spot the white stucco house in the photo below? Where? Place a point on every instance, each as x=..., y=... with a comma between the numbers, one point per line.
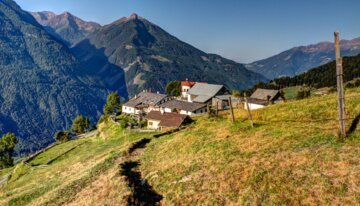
x=144, y=102
x=263, y=97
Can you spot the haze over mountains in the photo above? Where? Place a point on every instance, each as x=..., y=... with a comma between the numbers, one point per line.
x=288, y=63
x=303, y=58
x=66, y=26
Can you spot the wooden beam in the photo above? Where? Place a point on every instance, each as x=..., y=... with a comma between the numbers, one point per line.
x=231, y=110
x=340, y=87
x=248, y=110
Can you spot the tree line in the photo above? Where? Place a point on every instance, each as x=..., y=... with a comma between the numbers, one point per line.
x=322, y=76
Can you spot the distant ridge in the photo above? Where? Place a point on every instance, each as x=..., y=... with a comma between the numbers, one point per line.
x=300, y=59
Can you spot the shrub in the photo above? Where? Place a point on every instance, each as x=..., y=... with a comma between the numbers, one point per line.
x=103, y=118
x=62, y=136
x=143, y=123
x=303, y=93
x=123, y=123
x=80, y=124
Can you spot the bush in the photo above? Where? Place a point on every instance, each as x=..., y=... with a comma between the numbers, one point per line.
x=303, y=93
x=127, y=120
x=143, y=123
x=123, y=123
x=62, y=136
x=103, y=118
x=80, y=124
x=353, y=84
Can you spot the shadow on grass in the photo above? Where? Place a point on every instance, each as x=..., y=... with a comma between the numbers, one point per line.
x=141, y=192
x=140, y=144
x=354, y=124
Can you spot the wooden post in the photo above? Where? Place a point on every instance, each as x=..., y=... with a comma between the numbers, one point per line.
x=340, y=87
x=248, y=110
x=217, y=108
x=208, y=109
x=231, y=110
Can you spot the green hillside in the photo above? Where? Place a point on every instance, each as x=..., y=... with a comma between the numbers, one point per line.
x=291, y=157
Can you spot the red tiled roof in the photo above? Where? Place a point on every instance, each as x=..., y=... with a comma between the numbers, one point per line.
x=187, y=83
x=190, y=84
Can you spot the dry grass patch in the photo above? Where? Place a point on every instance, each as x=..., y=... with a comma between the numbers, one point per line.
x=291, y=157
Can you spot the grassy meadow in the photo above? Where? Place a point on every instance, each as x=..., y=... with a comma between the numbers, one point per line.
x=70, y=174
x=291, y=157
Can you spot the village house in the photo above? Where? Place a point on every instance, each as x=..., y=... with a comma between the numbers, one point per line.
x=185, y=87
x=181, y=107
x=263, y=97
x=144, y=102
x=160, y=120
x=222, y=102
x=203, y=93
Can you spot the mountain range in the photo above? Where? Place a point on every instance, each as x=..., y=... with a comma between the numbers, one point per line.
x=54, y=67
x=52, y=72
x=303, y=58
x=42, y=85
x=66, y=27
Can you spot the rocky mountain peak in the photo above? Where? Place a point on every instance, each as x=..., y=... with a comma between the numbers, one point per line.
x=133, y=16
x=65, y=26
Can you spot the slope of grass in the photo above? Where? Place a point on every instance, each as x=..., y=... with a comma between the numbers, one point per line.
x=291, y=157
x=291, y=92
x=69, y=174
x=55, y=152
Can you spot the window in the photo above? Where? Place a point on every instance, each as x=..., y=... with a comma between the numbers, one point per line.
x=150, y=123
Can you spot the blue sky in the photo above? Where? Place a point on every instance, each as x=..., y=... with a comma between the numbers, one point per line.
x=242, y=30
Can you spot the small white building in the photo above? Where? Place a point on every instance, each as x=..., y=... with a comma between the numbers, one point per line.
x=263, y=97
x=185, y=87
x=181, y=107
x=256, y=103
x=144, y=103
x=160, y=120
